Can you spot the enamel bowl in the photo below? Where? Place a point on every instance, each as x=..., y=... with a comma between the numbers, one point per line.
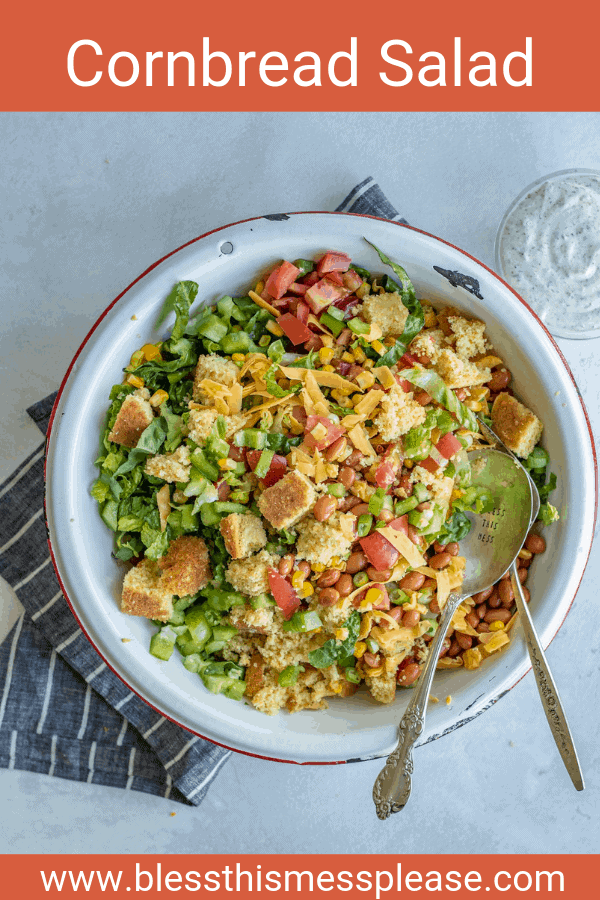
x=226, y=261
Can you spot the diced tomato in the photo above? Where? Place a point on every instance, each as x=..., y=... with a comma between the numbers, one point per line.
x=385, y=473
x=277, y=469
x=354, y=371
x=406, y=386
x=352, y=280
x=346, y=303
x=223, y=490
x=297, y=288
x=408, y=359
x=378, y=550
x=299, y=414
x=333, y=432
x=321, y=295
x=333, y=262
x=335, y=278
x=311, y=278
x=284, y=594
x=236, y=453
x=430, y=464
x=293, y=328
x=302, y=311
x=282, y=305
x=281, y=278
x=400, y=524
x=313, y=343
x=448, y=446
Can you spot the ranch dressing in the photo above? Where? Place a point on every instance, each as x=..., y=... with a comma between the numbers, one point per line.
x=548, y=249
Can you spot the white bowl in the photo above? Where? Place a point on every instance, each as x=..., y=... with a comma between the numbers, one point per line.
x=226, y=261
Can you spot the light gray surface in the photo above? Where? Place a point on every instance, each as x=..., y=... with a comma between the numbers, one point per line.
x=90, y=201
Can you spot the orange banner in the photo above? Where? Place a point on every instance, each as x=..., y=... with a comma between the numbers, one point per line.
x=350, y=876
x=339, y=55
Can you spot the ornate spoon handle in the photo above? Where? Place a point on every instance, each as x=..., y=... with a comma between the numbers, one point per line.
x=547, y=688
x=393, y=784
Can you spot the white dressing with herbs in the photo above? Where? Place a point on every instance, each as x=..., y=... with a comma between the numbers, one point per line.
x=549, y=251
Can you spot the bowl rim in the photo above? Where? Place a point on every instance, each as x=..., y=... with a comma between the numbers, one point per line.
x=552, y=176
x=493, y=699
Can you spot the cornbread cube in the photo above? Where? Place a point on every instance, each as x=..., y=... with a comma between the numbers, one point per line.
x=458, y=372
x=320, y=542
x=515, y=424
x=382, y=688
x=255, y=675
x=386, y=310
x=144, y=593
x=399, y=413
x=252, y=621
x=286, y=502
x=213, y=368
x=428, y=343
x=170, y=466
x=243, y=534
x=470, y=340
x=201, y=421
x=185, y=567
x=251, y=576
x=132, y=419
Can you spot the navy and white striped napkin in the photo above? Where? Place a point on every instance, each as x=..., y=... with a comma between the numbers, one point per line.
x=62, y=711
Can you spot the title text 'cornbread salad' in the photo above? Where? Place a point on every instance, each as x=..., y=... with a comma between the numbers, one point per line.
x=288, y=475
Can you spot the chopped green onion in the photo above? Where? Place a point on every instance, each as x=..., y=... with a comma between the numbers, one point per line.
x=250, y=437
x=404, y=506
x=305, y=265
x=303, y=620
x=336, y=490
x=364, y=525
x=372, y=645
x=352, y=676
x=334, y=324
x=357, y=326
x=376, y=501
x=264, y=463
x=360, y=579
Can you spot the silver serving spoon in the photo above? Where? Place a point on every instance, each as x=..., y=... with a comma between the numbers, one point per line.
x=490, y=548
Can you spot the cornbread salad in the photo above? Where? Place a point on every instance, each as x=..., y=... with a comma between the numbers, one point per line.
x=287, y=478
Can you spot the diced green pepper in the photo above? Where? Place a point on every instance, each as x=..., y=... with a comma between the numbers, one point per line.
x=364, y=525
x=334, y=324
x=336, y=490
x=404, y=506
x=264, y=463
x=305, y=266
x=303, y=620
x=198, y=627
x=357, y=326
x=162, y=643
x=352, y=676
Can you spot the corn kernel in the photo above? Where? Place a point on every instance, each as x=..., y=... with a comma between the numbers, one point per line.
x=318, y=567
x=369, y=364
x=325, y=354
x=274, y=328
x=456, y=493
x=135, y=381
x=327, y=340
x=328, y=369
x=378, y=347
x=151, y=352
x=365, y=380
x=475, y=405
x=408, y=463
x=341, y=634
x=226, y=464
x=238, y=357
x=347, y=356
x=340, y=393
x=374, y=595
x=389, y=341
x=496, y=626
x=359, y=354
x=430, y=319
x=260, y=287
x=298, y=578
x=336, y=688
x=525, y=554
x=359, y=649
x=158, y=398
x=307, y=590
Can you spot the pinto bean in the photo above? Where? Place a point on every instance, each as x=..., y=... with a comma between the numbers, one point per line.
x=386, y=515
x=344, y=337
x=356, y=562
x=535, y=543
x=408, y=674
x=336, y=449
x=463, y=640
x=344, y=585
x=506, y=593
x=324, y=508
x=454, y=648
x=372, y=659
x=429, y=584
x=354, y=458
x=329, y=578
x=439, y=548
x=414, y=536
x=361, y=510
x=406, y=485
x=445, y=647
x=304, y=567
x=379, y=574
x=440, y=560
x=414, y=581
x=500, y=380
x=494, y=600
x=434, y=607
x=497, y=615
x=347, y=476
x=461, y=393
x=483, y=628
x=328, y=596
x=348, y=503
x=472, y=619
x=286, y=564
x=482, y=610
x=482, y=596
x=527, y=595
x=452, y=548
x=411, y=618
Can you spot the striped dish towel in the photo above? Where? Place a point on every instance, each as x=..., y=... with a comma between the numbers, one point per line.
x=62, y=711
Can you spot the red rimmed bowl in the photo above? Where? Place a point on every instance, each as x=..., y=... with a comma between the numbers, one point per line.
x=226, y=261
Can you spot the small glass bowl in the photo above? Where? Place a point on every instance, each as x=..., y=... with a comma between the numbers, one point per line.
x=556, y=330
